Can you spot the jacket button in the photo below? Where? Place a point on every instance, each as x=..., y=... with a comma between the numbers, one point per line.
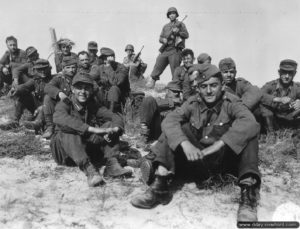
x=221, y=124
x=208, y=124
x=206, y=137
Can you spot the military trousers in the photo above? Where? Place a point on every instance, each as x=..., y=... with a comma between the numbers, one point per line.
x=171, y=57
x=72, y=149
x=5, y=79
x=22, y=102
x=224, y=161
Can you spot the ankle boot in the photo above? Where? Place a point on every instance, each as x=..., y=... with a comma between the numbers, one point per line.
x=49, y=127
x=114, y=169
x=158, y=193
x=93, y=176
x=37, y=124
x=248, y=204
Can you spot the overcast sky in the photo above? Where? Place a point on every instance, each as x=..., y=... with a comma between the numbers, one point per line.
x=257, y=34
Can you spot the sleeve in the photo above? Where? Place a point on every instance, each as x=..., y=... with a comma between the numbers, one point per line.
x=52, y=88
x=25, y=88
x=67, y=122
x=267, y=97
x=183, y=33
x=171, y=125
x=95, y=73
x=3, y=60
x=164, y=34
x=104, y=115
x=120, y=76
x=243, y=129
x=22, y=69
x=177, y=74
x=251, y=95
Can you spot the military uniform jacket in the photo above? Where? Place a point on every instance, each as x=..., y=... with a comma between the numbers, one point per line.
x=58, y=60
x=229, y=117
x=71, y=117
x=59, y=83
x=274, y=89
x=181, y=74
x=107, y=76
x=13, y=59
x=36, y=86
x=167, y=30
x=250, y=95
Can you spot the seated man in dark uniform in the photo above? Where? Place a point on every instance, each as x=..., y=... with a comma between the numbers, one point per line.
x=280, y=106
x=86, y=134
x=213, y=132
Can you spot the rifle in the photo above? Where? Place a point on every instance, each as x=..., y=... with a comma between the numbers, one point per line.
x=137, y=56
x=54, y=42
x=178, y=39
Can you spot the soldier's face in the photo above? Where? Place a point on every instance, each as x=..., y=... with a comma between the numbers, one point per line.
x=93, y=51
x=110, y=59
x=172, y=16
x=188, y=61
x=84, y=61
x=129, y=52
x=228, y=75
x=286, y=77
x=70, y=70
x=34, y=56
x=66, y=49
x=82, y=92
x=43, y=72
x=211, y=90
x=12, y=46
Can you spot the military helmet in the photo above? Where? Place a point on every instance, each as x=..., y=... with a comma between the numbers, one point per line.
x=172, y=9
x=129, y=47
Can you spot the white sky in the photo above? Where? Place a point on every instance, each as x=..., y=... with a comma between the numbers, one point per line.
x=257, y=34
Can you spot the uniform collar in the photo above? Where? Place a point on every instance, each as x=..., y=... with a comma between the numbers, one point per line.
x=77, y=105
x=216, y=108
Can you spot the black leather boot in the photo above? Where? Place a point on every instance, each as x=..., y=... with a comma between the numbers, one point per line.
x=158, y=193
x=248, y=204
x=114, y=169
x=49, y=127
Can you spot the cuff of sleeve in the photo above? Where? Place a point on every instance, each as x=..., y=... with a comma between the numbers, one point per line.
x=232, y=145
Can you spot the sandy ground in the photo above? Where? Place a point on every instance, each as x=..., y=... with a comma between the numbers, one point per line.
x=36, y=193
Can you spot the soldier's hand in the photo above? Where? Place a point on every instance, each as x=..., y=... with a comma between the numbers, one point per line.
x=175, y=30
x=283, y=100
x=191, y=152
x=296, y=104
x=11, y=92
x=38, y=110
x=5, y=71
x=62, y=96
x=165, y=40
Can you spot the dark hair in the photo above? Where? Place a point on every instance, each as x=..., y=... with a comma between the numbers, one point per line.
x=83, y=53
x=219, y=76
x=186, y=52
x=11, y=38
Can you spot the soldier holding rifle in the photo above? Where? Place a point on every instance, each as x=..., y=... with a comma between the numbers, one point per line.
x=213, y=132
x=172, y=38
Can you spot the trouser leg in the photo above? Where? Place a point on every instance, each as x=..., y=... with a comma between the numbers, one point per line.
x=174, y=61
x=160, y=65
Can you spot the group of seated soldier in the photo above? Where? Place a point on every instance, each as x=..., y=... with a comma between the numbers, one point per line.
x=206, y=124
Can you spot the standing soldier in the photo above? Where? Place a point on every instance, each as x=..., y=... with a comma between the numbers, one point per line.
x=250, y=95
x=64, y=47
x=24, y=72
x=30, y=95
x=212, y=132
x=93, y=50
x=281, y=99
x=56, y=90
x=172, y=38
x=112, y=78
x=87, y=135
x=12, y=58
x=134, y=63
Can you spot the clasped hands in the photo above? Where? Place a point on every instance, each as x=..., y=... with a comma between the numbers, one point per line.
x=193, y=153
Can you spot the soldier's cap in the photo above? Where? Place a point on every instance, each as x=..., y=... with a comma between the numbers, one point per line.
x=226, y=64
x=69, y=60
x=30, y=50
x=174, y=86
x=206, y=71
x=172, y=9
x=65, y=41
x=41, y=63
x=203, y=57
x=82, y=77
x=288, y=65
x=106, y=52
x=92, y=45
